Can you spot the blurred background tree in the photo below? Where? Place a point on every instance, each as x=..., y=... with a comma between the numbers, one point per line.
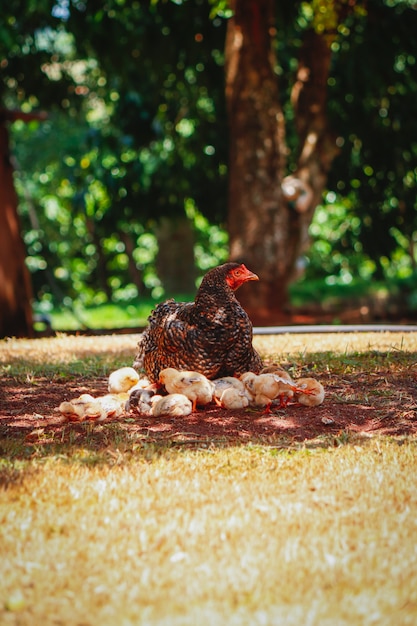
x=135, y=182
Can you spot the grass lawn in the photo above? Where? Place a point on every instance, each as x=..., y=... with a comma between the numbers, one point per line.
x=135, y=533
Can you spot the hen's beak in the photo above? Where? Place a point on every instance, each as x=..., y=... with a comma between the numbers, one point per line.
x=247, y=274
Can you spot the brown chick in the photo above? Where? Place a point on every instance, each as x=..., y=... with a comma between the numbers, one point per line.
x=212, y=335
x=140, y=400
x=194, y=385
x=310, y=392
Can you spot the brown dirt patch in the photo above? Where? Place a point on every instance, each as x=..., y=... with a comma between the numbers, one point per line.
x=382, y=401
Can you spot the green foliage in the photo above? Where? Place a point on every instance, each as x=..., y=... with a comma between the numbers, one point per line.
x=137, y=131
x=136, y=141
x=370, y=108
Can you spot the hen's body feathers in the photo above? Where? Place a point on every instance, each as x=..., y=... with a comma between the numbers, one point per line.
x=213, y=335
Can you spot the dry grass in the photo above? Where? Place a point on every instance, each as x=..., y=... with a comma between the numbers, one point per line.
x=66, y=348
x=234, y=536
x=87, y=356
x=248, y=535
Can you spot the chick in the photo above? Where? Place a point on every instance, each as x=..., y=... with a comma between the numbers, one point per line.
x=140, y=400
x=233, y=398
x=111, y=405
x=100, y=408
x=286, y=392
x=310, y=392
x=121, y=380
x=266, y=388
x=80, y=408
x=174, y=405
x=195, y=386
x=142, y=383
x=227, y=382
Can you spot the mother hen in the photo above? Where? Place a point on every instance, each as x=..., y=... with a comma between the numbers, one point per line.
x=212, y=335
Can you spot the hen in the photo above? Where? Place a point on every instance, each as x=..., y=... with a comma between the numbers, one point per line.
x=212, y=335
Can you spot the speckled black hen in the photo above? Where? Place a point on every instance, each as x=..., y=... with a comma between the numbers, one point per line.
x=212, y=335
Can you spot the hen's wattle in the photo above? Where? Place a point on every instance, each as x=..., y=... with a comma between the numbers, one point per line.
x=213, y=335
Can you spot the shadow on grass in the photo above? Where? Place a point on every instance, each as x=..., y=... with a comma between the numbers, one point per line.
x=367, y=395
x=337, y=422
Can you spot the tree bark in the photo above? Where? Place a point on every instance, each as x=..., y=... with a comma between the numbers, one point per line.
x=15, y=285
x=269, y=213
x=258, y=224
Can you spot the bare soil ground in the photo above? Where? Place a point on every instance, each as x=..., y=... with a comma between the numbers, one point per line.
x=370, y=381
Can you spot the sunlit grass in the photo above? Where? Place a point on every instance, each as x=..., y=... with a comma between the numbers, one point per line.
x=66, y=357
x=235, y=536
x=118, y=528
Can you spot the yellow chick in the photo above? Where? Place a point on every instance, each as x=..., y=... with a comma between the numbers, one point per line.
x=310, y=392
x=174, y=405
x=233, y=398
x=195, y=386
x=112, y=405
x=143, y=383
x=220, y=384
x=286, y=392
x=80, y=408
x=266, y=388
x=121, y=380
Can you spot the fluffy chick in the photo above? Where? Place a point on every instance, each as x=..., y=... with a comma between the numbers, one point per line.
x=121, y=380
x=286, y=392
x=112, y=405
x=227, y=382
x=233, y=398
x=100, y=408
x=174, y=405
x=80, y=408
x=142, y=383
x=266, y=388
x=310, y=392
x=192, y=384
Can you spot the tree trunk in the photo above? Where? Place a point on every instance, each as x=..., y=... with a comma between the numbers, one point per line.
x=15, y=285
x=269, y=215
x=259, y=225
